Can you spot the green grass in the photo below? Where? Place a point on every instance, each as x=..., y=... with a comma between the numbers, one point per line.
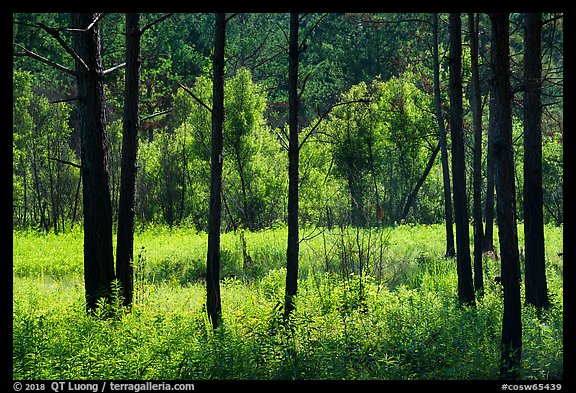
x=377, y=304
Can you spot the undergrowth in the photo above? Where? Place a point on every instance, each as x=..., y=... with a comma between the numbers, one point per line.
x=350, y=322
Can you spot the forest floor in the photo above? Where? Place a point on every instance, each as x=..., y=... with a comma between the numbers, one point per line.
x=377, y=304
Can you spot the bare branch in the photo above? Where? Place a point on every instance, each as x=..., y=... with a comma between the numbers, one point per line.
x=65, y=162
x=44, y=60
x=155, y=114
x=96, y=20
x=91, y=25
x=196, y=98
x=258, y=48
x=56, y=35
x=282, y=138
x=281, y=51
x=313, y=233
x=302, y=45
x=64, y=100
x=553, y=19
x=323, y=116
x=304, y=84
x=116, y=67
x=149, y=25
x=285, y=35
x=230, y=17
x=22, y=23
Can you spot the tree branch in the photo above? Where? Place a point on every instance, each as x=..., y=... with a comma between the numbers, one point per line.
x=149, y=25
x=552, y=19
x=258, y=48
x=65, y=162
x=230, y=17
x=44, y=60
x=323, y=116
x=91, y=25
x=56, y=35
x=304, y=85
x=155, y=114
x=116, y=67
x=282, y=138
x=302, y=45
x=96, y=20
x=194, y=96
x=64, y=100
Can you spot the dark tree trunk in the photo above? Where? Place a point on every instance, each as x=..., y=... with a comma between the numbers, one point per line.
x=293, y=241
x=506, y=203
x=488, y=242
x=98, y=253
x=476, y=105
x=535, y=269
x=131, y=126
x=450, y=250
x=213, y=302
x=464, y=266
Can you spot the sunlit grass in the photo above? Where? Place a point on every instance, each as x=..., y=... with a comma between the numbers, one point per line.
x=349, y=323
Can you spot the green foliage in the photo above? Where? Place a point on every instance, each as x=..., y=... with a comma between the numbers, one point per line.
x=44, y=186
x=245, y=140
x=381, y=147
x=175, y=175
x=346, y=326
x=361, y=156
x=375, y=301
x=553, y=177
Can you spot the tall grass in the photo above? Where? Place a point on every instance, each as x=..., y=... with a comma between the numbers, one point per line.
x=399, y=320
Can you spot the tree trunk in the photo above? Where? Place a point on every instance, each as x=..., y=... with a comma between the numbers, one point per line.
x=535, y=269
x=488, y=243
x=213, y=302
x=464, y=268
x=450, y=251
x=475, y=103
x=131, y=126
x=506, y=200
x=98, y=253
x=293, y=152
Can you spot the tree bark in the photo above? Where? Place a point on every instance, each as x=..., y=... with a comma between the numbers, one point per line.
x=488, y=242
x=293, y=153
x=464, y=267
x=450, y=250
x=131, y=126
x=535, y=268
x=506, y=199
x=98, y=253
x=213, y=302
x=476, y=106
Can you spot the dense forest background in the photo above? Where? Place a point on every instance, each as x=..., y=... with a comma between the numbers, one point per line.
x=355, y=158
x=362, y=157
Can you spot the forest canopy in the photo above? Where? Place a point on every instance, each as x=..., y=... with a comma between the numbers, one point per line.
x=347, y=137
x=361, y=156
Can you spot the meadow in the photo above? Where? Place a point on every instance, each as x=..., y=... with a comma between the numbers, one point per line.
x=378, y=304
